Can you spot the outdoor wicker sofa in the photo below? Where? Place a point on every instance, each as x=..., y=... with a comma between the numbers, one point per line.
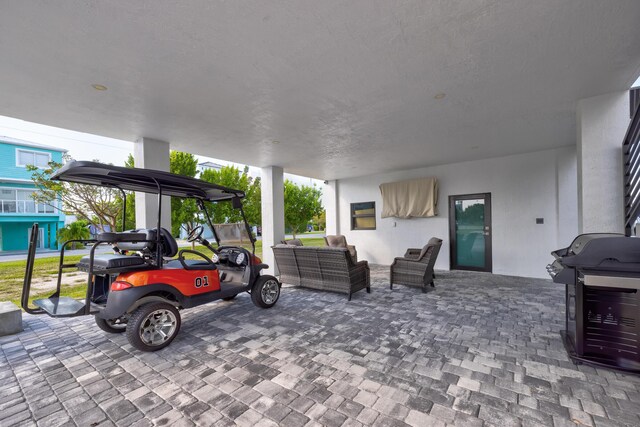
x=340, y=241
x=321, y=268
x=416, y=267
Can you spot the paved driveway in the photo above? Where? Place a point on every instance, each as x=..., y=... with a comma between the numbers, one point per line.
x=479, y=350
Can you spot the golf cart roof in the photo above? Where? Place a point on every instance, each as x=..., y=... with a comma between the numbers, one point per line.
x=143, y=180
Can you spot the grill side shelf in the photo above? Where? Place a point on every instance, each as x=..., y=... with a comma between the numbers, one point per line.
x=612, y=281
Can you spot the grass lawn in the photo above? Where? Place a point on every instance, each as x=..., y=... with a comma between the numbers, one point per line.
x=12, y=273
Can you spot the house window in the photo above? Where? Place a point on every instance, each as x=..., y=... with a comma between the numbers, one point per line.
x=20, y=201
x=8, y=201
x=363, y=216
x=28, y=157
x=25, y=202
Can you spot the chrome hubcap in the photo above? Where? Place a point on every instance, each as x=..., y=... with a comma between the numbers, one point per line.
x=116, y=324
x=270, y=292
x=158, y=327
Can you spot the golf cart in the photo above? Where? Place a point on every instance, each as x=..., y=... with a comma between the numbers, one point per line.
x=140, y=288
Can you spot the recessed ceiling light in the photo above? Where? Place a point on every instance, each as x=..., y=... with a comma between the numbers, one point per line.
x=99, y=87
x=440, y=95
x=275, y=142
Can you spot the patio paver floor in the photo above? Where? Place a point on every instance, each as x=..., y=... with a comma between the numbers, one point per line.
x=480, y=350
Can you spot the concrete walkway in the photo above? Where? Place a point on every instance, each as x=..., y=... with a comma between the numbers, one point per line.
x=480, y=350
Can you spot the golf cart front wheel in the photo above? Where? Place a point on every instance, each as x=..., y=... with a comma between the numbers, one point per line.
x=153, y=326
x=112, y=326
x=265, y=292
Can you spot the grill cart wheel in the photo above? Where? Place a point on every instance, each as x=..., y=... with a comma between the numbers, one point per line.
x=112, y=326
x=153, y=326
x=265, y=292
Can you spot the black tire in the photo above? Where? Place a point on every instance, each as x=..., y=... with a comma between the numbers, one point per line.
x=265, y=291
x=112, y=326
x=229, y=298
x=142, y=330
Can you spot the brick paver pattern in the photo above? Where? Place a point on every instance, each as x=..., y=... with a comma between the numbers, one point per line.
x=479, y=350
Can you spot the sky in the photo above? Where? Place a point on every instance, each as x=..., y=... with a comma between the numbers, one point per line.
x=83, y=146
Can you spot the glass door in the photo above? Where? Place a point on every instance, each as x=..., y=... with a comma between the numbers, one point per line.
x=470, y=232
x=40, y=240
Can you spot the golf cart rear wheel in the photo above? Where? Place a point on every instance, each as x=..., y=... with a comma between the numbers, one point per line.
x=265, y=292
x=113, y=326
x=153, y=326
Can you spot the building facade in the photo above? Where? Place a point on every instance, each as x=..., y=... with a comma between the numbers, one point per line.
x=18, y=210
x=208, y=166
x=538, y=201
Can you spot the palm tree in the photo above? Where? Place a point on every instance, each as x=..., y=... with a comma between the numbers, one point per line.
x=77, y=230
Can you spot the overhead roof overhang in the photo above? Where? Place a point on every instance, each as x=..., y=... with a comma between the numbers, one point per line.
x=327, y=89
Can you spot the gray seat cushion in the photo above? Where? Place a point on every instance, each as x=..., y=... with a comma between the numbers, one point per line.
x=169, y=244
x=109, y=262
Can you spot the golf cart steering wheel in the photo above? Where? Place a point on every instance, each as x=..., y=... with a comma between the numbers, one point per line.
x=195, y=234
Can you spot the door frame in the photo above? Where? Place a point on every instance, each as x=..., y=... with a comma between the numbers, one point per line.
x=488, y=252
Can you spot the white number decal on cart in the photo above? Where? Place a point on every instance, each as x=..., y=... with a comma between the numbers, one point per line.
x=202, y=282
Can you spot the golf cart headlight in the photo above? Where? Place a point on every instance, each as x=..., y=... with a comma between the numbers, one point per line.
x=240, y=258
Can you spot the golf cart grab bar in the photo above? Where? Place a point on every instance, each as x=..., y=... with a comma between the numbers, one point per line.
x=197, y=267
x=62, y=265
x=31, y=257
x=26, y=286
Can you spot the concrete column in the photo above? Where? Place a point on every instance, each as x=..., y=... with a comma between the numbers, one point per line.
x=272, y=186
x=330, y=201
x=601, y=125
x=566, y=195
x=151, y=154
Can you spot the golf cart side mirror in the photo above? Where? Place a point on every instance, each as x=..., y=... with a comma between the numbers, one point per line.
x=236, y=203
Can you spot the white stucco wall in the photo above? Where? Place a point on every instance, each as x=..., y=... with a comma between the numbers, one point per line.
x=602, y=122
x=523, y=188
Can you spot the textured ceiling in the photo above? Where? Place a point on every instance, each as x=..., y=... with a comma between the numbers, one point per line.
x=346, y=87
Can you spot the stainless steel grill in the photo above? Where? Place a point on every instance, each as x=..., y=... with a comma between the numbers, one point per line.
x=601, y=274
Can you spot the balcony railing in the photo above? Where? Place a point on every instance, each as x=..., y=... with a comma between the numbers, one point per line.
x=24, y=207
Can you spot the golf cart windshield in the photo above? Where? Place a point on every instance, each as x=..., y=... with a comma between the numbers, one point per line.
x=162, y=184
x=232, y=234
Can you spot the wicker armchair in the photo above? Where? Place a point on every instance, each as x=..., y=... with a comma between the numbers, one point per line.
x=416, y=267
x=340, y=241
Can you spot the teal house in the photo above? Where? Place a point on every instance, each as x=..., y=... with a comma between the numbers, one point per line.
x=18, y=210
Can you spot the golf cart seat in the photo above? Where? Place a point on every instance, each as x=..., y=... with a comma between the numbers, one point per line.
x=107, y=263
x=169, y=244
x=141, y=240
